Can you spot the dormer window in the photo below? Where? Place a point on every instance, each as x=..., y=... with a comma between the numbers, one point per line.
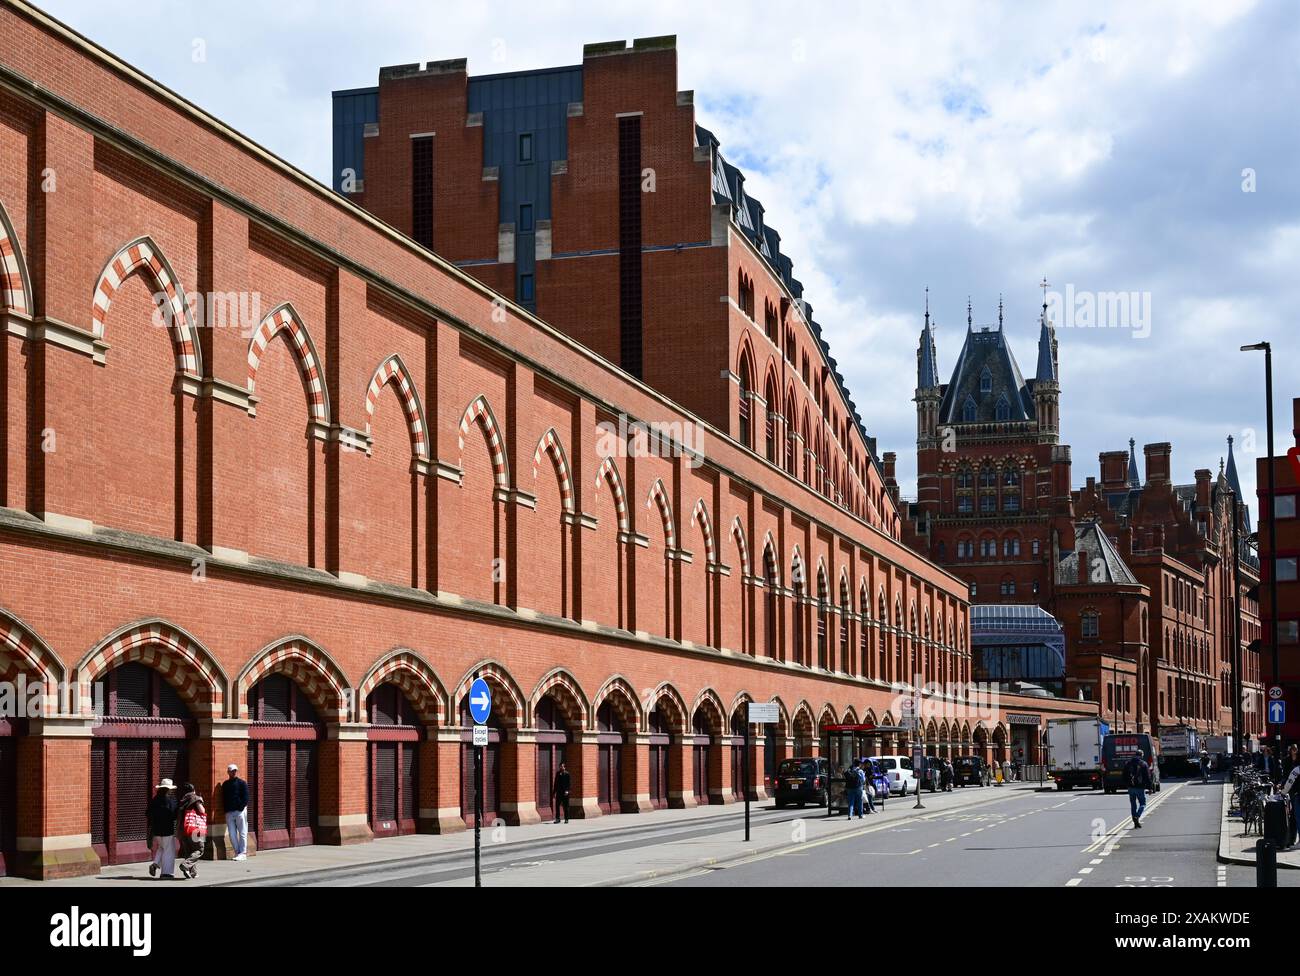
x=1003, y=410
x=969, y=410
x=986, y=381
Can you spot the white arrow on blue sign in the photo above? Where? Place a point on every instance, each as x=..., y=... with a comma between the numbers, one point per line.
x=480, y=701
x=1277, y=713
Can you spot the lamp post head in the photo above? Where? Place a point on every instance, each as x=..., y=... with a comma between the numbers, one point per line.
x=1256, y=347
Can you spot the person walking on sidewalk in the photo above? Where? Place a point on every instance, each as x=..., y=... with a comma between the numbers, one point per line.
x=192, y=830
x=563, y=783
x=853, y=782
x=161, y=815
x=868, y=784
x=1137, y=776
x=234, y=800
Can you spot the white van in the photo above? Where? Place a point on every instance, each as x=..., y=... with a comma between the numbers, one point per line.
x=899, y=770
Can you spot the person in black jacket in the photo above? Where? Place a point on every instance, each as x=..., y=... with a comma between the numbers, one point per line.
x=234, y=800
x=1137, y=775
x=563, y=783
x=161, y=814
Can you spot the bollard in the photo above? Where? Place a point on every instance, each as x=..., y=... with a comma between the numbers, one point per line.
x=1265, y=864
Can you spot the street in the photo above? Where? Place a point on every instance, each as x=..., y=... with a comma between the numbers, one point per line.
x=1016, y=837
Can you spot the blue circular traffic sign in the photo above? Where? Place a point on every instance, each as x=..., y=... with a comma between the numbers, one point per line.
x=480, y=701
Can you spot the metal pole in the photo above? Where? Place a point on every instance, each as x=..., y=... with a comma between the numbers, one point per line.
x=1235, y=658
x=748, y=780
x=1272, y=532
x=478, y=814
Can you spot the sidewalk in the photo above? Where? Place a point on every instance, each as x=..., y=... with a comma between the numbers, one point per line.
x=1238, y=847
x=661, y=853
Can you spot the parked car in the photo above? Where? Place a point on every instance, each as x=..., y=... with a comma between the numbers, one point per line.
x=804, y=781
x=971, y=771
x=1116, y=750
x=899, y=770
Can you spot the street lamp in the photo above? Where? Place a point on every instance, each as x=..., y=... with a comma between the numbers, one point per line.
x=1272, y=522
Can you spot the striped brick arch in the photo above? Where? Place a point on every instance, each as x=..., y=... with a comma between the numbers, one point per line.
x=567, y=694
x=700, y=514
x=184, y=663
x=608, y=472
x=309, y=667
x=738, y=531
x=285, y=318
x=709, y=700
x=551, y=446
x=622, y=698
x=667, y=700
x=393, y=370
x=15, y=286
x=414, y=678
x=478, y=412
x=22, y=652
x=143, y=255
x=507, y=698
x=658, y=495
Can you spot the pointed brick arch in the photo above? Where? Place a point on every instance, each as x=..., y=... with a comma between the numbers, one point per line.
x=623, y=698
x=738, y=532
x=667, y=692
x=15, y=284
x=711, y=702
x=417, y=680
x=509, y=703
x=828, y=717
x=802, y=720
x=771, y=559
x=568, y=694
x=850, y=717
x=144, y=255
x=393, y=371
x=700, y=514
x=551, y=446
x=308, y=666
x=478, y=412
x=658, y=495
x=608, y=473
x=284, y=318
x=22, y=652
x=181, y=660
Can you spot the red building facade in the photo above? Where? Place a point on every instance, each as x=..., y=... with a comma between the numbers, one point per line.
x=290, y=533
x=1278, y=513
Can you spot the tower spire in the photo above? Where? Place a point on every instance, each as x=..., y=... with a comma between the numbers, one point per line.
x=927, y=306
x=1044, y=285
x=968, y=315
x=999, y=311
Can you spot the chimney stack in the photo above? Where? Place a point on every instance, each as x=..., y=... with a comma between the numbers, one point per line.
x=1203, y=490
x=1114, y=469
x=1295, y=419
x=1157, y=462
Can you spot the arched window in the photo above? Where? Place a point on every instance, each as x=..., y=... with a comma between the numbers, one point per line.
x=969, y=411
x=988, y=477
x=965, y=479
x=846, y=612
x=745, y=389
x=772, y=407
x=1003, y=408
x=769, y=603
x=986, y=381
x=1011, y=477
x=823, y=598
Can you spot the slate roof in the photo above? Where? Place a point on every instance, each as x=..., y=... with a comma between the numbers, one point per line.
x=986, y=349
x=1089, y=537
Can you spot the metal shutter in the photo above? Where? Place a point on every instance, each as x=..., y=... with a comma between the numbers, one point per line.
x=615, y=779
x=250, y=775
x=409, y=754
x=545, y=778
x=173, y=762
x=602, y=777
x=8, y=793
x=133, y=790
x=99, y=792
x=275, y=691
x=275, y=786
x=305, y=775
x=170, y=704
x=491, y=779
x=656, y=784
x=385, y=781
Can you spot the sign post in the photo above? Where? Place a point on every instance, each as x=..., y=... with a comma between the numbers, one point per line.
x=760, y=713
x=480, y=708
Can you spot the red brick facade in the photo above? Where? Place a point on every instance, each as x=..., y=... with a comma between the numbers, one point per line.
x=386, y=476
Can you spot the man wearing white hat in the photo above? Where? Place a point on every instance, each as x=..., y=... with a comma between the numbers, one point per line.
x=162, y=829
x=234, y=800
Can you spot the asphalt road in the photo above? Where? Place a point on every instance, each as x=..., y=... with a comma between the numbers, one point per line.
x=1079, y=838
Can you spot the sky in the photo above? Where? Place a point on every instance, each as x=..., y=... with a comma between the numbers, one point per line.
x=1147, y=149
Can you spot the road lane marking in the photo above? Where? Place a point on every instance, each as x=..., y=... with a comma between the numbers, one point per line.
x=1072, y=882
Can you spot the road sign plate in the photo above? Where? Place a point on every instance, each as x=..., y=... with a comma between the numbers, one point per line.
x=1277, y=713
x=480, y=735
x=1275, y=693
x=764, y=713
x=480, y=701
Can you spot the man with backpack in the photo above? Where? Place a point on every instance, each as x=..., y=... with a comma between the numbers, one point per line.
x=1137, y=776
x=853, y=783
x=192, y=829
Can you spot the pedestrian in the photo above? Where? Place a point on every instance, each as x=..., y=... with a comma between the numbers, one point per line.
x=234, y=800
x=853, y=781
x=161, y=815
x=563, y=783
x=947, y=775
x=1137, y=776
x=1204, y=763
x=868, y=784
x=1291, y=789
x=191, y=829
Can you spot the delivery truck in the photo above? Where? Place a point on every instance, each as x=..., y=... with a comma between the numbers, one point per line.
x=1074, y=751
x=1180, y=749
